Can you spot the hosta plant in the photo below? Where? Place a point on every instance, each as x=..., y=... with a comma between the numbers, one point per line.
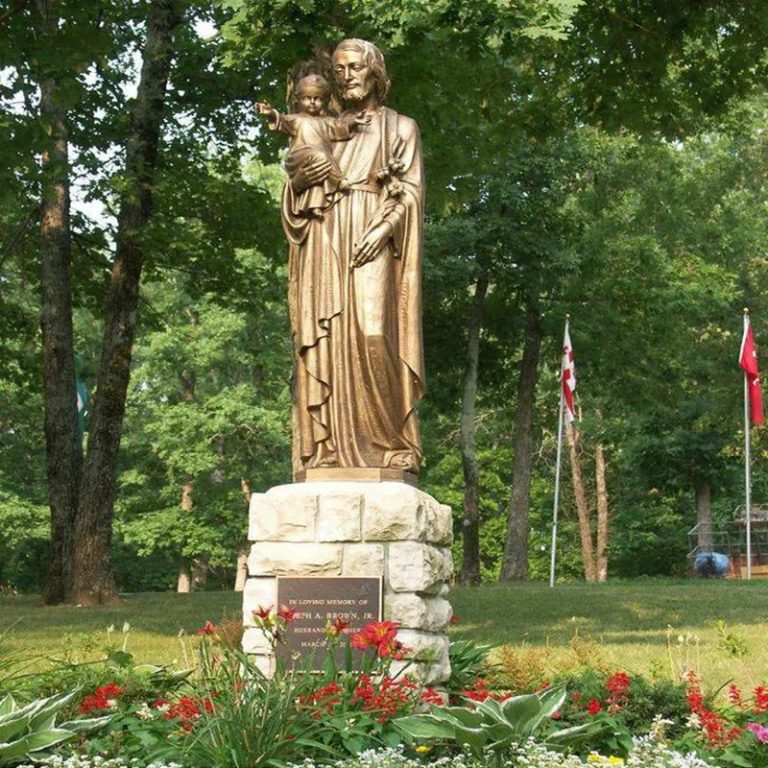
x=26, y=731
x=491, y=726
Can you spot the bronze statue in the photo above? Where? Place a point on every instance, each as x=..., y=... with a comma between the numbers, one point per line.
x=355, y=280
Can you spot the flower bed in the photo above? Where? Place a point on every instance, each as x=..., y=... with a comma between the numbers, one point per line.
x=225, y=713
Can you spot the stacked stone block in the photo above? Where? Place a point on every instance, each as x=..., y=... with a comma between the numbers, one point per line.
x=389, y=529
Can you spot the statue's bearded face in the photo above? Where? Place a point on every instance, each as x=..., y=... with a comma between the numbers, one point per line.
x=354, y=75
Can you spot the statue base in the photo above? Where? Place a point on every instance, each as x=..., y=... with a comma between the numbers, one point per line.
x=358, y=475
x=364, y=528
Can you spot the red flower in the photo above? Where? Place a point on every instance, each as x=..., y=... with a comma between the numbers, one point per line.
x=594, y=707
x=760, y=699
x=338, y=626
x=381, y=632
x=111, y=690
x=617, y=683
x=431, y=696
x=716, y=733
x=618, y=686
x=92, y=703
x=455, y=619
x=104, y=697
x=324, y=699
x=286, y=614
x=380, y=635
x=480, y=692
x=575, y=697
x=387, y=697
x=734, y=694
x=209, y=628
x=264, y=617
x=188, y=710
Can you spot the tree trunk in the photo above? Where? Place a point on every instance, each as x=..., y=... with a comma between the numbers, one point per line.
x=703, y=514
x=514, y=565
x=602, y=514
x=582, y=506
x=185, y=582
x=184, y=579
x=62, y=440
x=470, y=568
x=241, y=572
x=93, y=581
x=200, y=567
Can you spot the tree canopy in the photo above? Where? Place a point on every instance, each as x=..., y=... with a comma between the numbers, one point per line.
x=604, y=160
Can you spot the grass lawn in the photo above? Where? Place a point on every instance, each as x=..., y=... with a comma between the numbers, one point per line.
x=640, y=626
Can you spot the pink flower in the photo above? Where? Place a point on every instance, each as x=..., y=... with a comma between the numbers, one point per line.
x=760, y=731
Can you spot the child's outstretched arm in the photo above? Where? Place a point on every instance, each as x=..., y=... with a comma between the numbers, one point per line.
x=264, y=108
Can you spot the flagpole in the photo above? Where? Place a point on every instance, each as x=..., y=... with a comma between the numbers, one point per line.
x=747, y=463
x=557, y=473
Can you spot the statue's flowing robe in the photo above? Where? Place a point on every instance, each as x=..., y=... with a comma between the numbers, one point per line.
x=357, y=331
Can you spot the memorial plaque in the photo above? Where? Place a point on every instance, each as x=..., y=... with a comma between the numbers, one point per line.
x=318, y=600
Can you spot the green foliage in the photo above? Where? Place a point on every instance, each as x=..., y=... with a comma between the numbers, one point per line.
x=730, y=643
x=645, y=700
x=607, y=162
x=25, y=541
x=469, y=661
x=31, y=729
x=254, y=724
x=493, y=726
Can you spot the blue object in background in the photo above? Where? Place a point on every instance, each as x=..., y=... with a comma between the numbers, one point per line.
x=711, y=564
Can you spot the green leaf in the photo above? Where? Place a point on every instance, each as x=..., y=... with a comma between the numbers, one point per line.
x=552, y=700
x=425, y=727
x=34, y=742
x=736, y=759
x=147, y=669
x=86, y=724
x=523, y=713
x=49, y=706
x=474, y=738
x=120, y=658
x=463, y=715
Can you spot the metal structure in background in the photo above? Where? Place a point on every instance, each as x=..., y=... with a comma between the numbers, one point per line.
x=735, y=538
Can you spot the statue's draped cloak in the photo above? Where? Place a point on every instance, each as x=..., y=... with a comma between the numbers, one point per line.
x=357, y=331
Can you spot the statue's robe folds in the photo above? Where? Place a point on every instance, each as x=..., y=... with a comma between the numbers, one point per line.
x=357, y=331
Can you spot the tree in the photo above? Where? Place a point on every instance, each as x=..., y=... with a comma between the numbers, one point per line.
x=61, y=435
x=92, y=578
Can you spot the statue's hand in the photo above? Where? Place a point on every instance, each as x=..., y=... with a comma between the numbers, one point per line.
x=369, y=247
x=362, y=118
x=311, y=174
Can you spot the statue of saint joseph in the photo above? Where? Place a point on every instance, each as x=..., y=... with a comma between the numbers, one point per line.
x=355, y=283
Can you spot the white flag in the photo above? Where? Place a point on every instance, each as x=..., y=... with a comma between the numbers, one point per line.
x=568, y=377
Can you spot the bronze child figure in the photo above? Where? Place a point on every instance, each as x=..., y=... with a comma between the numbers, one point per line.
x=312, y=132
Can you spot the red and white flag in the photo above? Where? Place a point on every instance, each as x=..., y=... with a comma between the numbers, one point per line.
x=568, y=377
x=748, y=363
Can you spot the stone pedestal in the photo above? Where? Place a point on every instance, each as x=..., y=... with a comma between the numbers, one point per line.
x=334, y=528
